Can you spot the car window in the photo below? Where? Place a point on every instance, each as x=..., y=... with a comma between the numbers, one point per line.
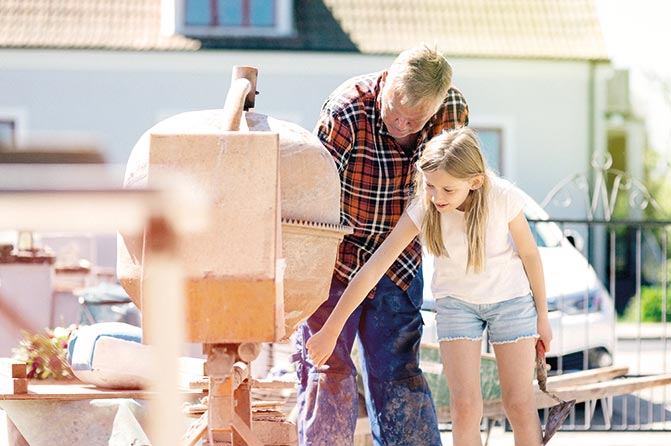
x=546, y=234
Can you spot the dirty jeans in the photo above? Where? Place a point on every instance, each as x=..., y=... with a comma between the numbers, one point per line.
x=398, y=399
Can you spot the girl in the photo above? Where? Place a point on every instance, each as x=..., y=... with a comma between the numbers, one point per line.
x=488, y=273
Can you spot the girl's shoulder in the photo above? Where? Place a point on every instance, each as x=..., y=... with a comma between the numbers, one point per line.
x=500, y=186
x=415, y=211
x=505, y=196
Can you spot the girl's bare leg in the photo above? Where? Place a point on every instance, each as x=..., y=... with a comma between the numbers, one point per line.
x=461, y=362
x=515, y=361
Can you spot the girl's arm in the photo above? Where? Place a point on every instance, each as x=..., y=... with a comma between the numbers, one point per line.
x=531, y=259
x=321, y=344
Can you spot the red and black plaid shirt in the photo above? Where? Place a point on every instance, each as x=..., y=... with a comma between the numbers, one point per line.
x=376, y=174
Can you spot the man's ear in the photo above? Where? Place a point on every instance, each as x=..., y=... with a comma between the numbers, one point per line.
x=477, y=181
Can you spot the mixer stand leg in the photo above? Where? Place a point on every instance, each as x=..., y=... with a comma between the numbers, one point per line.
x=229, y=417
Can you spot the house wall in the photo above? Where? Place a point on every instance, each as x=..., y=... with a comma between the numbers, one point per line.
x=544, y=110
x=109, y=99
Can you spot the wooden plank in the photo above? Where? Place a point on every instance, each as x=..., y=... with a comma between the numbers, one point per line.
x=267, y=405
x=13, y=368
x=586, y=376
x=192, y=366
x=275, y=432
x=196, y=431
x=273, y=384
x=202, y=382
x=78, y=391
x=244, y=431
x=581, y=393
x=621, y=386
x=13, y=386
x=192, y=382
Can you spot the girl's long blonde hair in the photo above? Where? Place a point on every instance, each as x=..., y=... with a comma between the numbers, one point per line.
x=458, y=153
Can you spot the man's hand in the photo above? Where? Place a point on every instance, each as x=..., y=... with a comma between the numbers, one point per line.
x=320, y=346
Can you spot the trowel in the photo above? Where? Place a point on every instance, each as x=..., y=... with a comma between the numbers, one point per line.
x=557, y=414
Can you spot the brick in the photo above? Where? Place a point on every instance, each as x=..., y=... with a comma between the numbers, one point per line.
x=13, y=385
x=12, y=368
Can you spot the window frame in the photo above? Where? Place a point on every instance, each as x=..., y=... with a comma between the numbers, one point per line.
x=499, y=130
x=173, y=18
x=11, y=125
x=17, y=120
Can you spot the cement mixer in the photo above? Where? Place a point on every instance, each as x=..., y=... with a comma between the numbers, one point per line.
x=266, y=262
x=309, y=190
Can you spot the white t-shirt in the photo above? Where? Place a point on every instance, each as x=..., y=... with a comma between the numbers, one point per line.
x=503, y=277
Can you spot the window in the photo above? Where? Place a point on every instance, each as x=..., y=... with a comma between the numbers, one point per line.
x=232, y=18
x=7, y=134
x=492, y=147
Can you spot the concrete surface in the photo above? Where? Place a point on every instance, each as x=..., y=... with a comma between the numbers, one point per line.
x=591, y=438
x=499, y=437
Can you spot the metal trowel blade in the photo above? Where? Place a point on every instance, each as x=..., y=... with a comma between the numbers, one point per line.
x=556, y=417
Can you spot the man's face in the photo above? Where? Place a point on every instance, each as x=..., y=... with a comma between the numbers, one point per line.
x=401, y=120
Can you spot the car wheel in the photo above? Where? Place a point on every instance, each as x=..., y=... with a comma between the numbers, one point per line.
x=599, y=357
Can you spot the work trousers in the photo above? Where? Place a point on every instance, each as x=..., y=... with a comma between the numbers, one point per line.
x=398, y=399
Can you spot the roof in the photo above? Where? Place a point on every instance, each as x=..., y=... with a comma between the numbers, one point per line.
x=556, y=29
x=87, y=24
x=537, y=29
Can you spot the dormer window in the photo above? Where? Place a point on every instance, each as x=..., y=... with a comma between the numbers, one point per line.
x=231, y=18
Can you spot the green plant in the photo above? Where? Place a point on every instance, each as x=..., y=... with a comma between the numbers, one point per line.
x=650, y=305
x=46, y=353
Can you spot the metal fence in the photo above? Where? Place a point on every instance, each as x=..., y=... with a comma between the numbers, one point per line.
x=630, y=260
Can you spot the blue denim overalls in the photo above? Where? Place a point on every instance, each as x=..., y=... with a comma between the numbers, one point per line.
x=398, y=398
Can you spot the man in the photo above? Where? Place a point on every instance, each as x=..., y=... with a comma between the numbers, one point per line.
x=375, y=126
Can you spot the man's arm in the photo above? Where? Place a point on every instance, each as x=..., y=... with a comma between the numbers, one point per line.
x=335, y=134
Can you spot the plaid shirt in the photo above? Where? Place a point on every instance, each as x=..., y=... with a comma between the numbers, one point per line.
x=376, y=173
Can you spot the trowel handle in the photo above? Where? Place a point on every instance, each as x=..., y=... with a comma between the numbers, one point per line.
x=541, y=368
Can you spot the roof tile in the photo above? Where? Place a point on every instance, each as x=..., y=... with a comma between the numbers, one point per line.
x=551, y=29
x=86, y=24
x=566, y=29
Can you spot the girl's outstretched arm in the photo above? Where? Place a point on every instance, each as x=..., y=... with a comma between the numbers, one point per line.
x=320, y=346
x=531, y=259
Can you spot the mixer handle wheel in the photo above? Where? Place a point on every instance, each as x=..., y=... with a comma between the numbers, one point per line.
x=249, y=351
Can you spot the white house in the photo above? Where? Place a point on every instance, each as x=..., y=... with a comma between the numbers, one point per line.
x=100, y=72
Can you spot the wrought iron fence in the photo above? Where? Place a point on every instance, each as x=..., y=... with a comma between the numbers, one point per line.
x=631, y=261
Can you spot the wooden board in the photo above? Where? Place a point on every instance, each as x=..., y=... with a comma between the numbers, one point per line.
x=586, y=376
x=581, y=386
x=586, y=392
x=78, y=391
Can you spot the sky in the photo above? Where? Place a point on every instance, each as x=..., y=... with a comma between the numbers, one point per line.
x=638, y=33
x=638, y=37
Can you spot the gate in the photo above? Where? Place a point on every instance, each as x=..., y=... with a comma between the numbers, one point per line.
x=629, y=256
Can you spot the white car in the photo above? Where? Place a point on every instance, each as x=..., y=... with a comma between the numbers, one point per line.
x=581, y=310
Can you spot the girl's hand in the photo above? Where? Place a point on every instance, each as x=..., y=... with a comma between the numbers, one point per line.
x=545, y=331
x=320, y=346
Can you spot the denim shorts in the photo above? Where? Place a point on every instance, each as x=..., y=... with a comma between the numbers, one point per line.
x=506, y=321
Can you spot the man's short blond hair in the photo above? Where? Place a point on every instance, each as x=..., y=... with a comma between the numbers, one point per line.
x=420, y=73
